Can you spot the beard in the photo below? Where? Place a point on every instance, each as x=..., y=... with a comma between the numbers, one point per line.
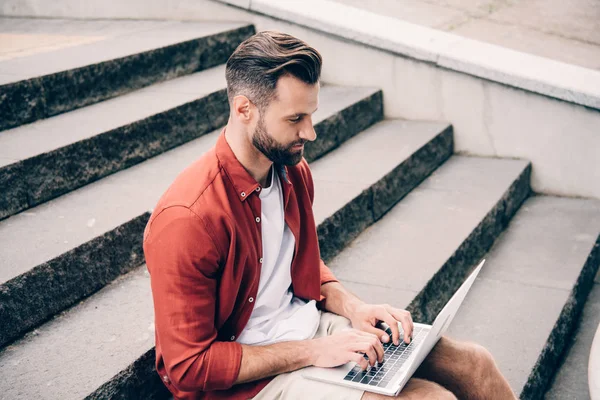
x=273, y=150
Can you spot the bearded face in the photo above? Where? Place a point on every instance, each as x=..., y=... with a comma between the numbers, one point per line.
x=283, y=154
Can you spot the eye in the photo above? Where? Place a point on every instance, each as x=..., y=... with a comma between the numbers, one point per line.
x=297, y=119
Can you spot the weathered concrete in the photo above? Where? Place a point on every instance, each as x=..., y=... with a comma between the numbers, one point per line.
x=70, y=356
x=490, y=94
x=45, y=269
x=571, y=380
x=45, y=159
x=480, y=100
x=113, y=328
x=76, y=76
x=421, y=147
x=563, y=31
x=529, y=295
x=427, y=242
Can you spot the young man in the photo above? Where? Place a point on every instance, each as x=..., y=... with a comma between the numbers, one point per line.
x=241, y=296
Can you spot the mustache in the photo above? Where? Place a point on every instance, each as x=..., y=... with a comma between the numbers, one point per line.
x=298, y=143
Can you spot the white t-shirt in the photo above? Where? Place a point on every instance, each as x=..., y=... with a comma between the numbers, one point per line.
x=278, y=315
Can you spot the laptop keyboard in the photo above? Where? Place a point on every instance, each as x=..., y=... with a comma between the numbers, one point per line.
x=394, y=357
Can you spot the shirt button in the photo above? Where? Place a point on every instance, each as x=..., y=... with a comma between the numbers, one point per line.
x=251, y=299
x=261, y=260
x=257, y=219
x=233, y=337
x=243, y=194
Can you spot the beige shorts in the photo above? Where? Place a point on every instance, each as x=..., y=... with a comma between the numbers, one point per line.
x=292, y=385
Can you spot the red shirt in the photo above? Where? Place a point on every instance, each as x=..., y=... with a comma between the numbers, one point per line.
x=203, y=250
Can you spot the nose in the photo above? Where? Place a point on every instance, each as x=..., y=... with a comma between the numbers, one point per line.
x=307, y=132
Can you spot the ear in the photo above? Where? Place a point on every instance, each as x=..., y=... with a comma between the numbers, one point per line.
x=242, y=109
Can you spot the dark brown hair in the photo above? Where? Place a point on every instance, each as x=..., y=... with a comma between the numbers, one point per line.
x=257, y=64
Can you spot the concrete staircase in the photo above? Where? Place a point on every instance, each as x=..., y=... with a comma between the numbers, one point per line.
x=94, y=134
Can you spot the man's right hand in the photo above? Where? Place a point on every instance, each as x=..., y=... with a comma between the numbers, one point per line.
x=342, y=347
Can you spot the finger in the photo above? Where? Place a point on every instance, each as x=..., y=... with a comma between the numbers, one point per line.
x=380, y=333
x=386, y=317
x=377, y=343
x=359, y=360
x=405, y=320
x=366, y=347
x=371, y=353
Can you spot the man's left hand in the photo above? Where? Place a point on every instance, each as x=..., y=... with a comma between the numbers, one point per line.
x=366, y=317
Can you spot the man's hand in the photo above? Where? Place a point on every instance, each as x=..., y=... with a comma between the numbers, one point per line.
x=365, y=317
x=342, y=347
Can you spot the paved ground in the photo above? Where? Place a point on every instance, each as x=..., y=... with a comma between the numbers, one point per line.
x=21, y=37
x=567, y=31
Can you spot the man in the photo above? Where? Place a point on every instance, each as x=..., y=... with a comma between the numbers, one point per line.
x=241, y=297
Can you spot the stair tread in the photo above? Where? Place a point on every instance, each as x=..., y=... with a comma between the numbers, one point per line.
x=119, y=40
x=112, y=328
x=79, y=216
x=517, y=299
x=66, y=129
x=413, y=241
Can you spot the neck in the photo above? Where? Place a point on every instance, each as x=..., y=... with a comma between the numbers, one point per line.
x=255, y=162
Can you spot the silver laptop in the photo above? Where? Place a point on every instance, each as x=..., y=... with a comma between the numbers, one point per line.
x=399, y=362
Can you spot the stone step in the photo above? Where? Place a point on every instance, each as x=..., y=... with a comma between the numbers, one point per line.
x=128, y=55
x=50, y=157
x=527, y=299
x=571, y=379
x=104, y=346
x=62, y=251
x=45, y=159
x=421, y=251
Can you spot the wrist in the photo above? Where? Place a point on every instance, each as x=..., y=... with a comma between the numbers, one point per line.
x=350, y=306
x=309, y=349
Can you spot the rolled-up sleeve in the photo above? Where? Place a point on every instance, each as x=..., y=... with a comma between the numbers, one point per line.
x=183, y=260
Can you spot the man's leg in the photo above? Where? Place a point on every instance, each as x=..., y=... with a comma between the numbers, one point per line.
x=467, y=369
x=416, y=389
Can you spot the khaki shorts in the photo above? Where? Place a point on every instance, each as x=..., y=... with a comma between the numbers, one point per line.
x=292, y=385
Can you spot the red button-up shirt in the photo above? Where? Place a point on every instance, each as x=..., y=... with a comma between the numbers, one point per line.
x=203, y=249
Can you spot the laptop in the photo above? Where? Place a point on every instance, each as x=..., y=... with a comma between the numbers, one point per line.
x=399, y=362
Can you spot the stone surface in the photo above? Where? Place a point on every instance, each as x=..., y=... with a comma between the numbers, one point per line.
x=66, y=169
x=577, y=20
x=534, y=41
x=182, y=10
x=70, y=150
x=429, y=240
x=91, y=217
x=571, y=379
x=142, y=183
x=14, y=190
x=138, y=380
x=30, y=298
x=532, y=73
x=77, y=76
x=489, y=119
x=564, y=31
x=76, y=352
x=420, y=148
x=549, y=251
x=119, y=361
x=67, y=129
x=343, y=124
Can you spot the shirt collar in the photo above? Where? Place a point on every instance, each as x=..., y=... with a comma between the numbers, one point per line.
x=243, y=183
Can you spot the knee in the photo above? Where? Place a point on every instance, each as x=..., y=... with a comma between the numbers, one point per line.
x=433, y=391
x=442, y=394
x=482, y=358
